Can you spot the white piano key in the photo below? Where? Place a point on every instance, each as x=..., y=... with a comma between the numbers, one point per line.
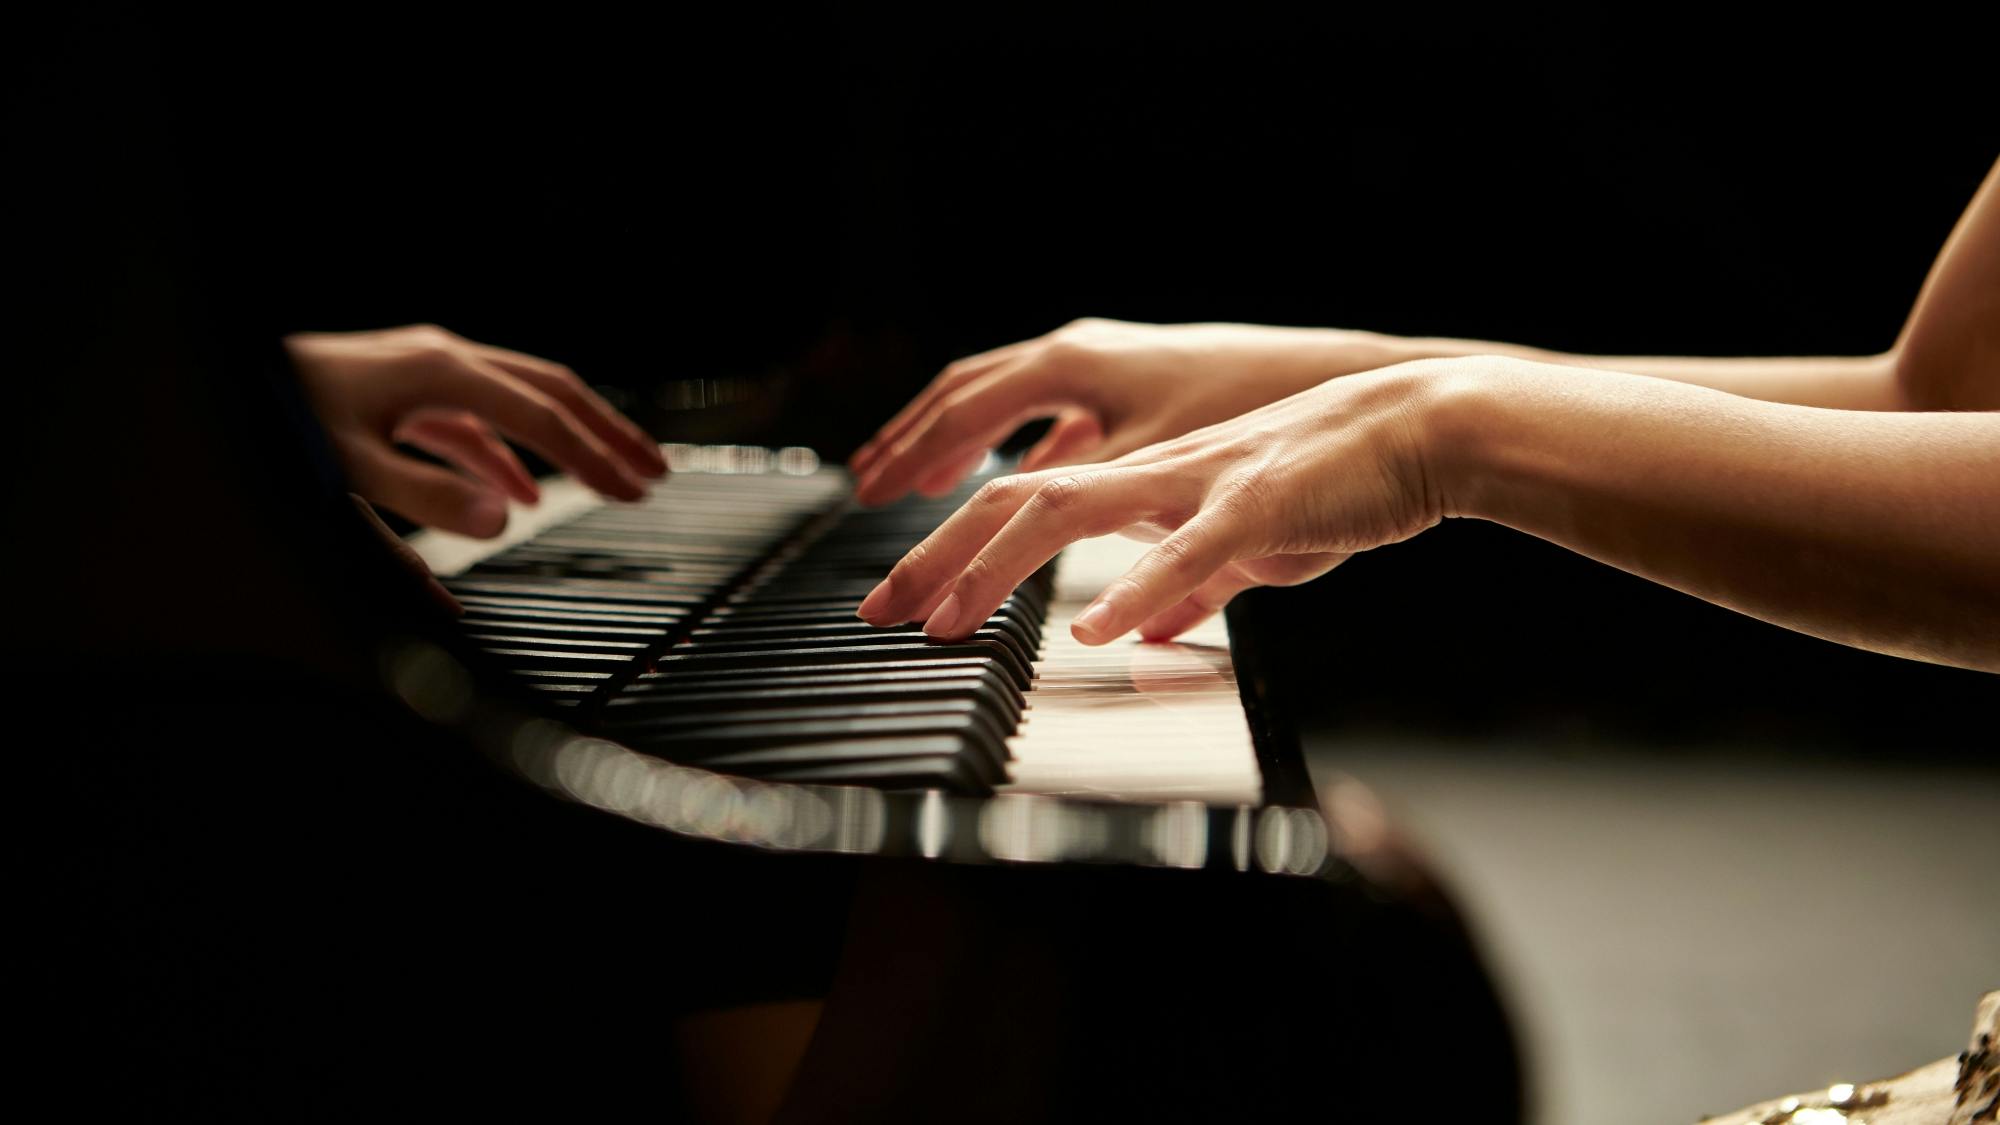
x=1128, y=720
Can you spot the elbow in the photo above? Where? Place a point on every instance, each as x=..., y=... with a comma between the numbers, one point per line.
x=1933, y=369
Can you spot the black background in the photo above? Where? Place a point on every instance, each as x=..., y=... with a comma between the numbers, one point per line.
x=774, y=229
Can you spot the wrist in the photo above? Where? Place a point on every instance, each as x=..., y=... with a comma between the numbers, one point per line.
x=1463, y=428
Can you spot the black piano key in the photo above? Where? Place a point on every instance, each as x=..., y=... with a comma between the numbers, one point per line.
x=997, y=651
x=863, y=638
x=869, y=718
x=779, y=680
x=826, y=701
x=1011, y=616
x=626, y=650
x=516, y=609
x=823, y=741
x=482, y=624
x=544, y=659
x=773, y=675
x=586, y=592
x=940, y=770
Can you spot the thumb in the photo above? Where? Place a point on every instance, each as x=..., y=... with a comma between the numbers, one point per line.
x=430, y=495
x=1197, y=607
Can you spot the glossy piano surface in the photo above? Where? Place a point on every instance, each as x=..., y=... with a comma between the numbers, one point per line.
x=713, y=625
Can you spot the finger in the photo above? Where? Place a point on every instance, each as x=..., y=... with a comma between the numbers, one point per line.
x=464, y=440
x=924, y=575
x=428, y=494
x=955, y=375
x=948, y=478
x=408, y=557
x=622, y=434
x=1167, y=575
x=537, y=421
x=1069, y=440
x=1060, y=511
x=1208, y=598
x=974, y=418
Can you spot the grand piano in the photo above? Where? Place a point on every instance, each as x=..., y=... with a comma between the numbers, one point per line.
x=1123, y=843
x=302, y=846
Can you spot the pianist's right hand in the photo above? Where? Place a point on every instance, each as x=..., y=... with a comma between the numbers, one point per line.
x=448, y=395
x=1111, y=386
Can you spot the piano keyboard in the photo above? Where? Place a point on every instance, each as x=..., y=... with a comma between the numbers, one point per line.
x=713, y=625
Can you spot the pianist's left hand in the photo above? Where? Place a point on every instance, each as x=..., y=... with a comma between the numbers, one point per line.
x=447, y=395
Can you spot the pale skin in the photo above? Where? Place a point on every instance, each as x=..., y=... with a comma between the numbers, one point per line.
x=453, y=397
x=1852, y=498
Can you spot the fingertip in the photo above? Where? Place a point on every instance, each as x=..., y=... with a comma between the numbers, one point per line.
x=878, y=599
x=1092, y=626
x=870, y=490
x=943, y=622
x=487, y=516
x=627, y=486
x=938, y=485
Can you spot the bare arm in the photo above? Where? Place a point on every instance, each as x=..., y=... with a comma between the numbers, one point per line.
x=1876, y=530
x=1115, y=388
x=1947, y=356
x=1836, y=382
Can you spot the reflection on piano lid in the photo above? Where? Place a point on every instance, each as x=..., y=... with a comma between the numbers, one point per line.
x=706, y=675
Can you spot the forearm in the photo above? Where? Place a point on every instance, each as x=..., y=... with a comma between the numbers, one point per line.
x=1835, y=382
x=1876, y=530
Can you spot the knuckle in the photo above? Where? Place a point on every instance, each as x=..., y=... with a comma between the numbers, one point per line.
x=1174, y=554
x=954, y=420
x=435, y=354
x=979, y=574
x=1000, y=492
x=1243, y=495
x=1069, y=353
x=548, y=418
x=1061, y=496
x=914, y=562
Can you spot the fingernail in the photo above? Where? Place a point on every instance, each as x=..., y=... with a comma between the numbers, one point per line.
x=1092, y=620
x=874, y=603
x=945, y=621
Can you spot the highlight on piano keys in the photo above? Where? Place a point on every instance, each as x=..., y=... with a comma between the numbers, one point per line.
x=1008, y=828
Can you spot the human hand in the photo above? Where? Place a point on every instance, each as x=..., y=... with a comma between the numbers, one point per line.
x=1273, y=497
x=1111, y=386
x=446, y=395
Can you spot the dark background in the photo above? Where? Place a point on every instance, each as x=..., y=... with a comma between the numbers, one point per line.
x=769, y=229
